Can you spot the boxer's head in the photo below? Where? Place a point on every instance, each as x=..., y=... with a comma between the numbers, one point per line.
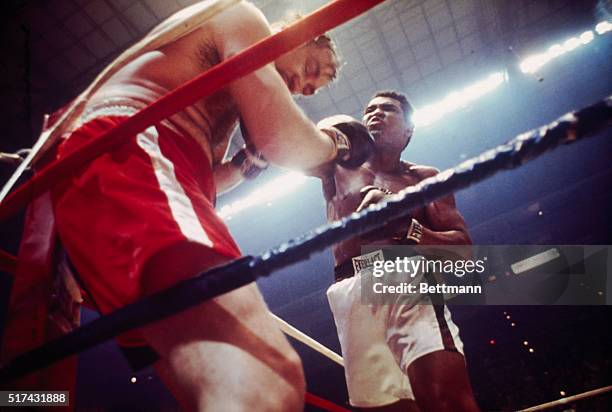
x=309, y=67
x=388, y=117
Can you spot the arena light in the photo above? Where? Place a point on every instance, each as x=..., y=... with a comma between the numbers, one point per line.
x=534, y=62
x=457, y=99
x=278, y=187
x=587, y=37
x=603, y=27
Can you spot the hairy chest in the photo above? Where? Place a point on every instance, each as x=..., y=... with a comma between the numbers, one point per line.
x=219, y=109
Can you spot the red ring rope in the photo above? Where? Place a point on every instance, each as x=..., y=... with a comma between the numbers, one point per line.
x=219, y=76
x=323, y=403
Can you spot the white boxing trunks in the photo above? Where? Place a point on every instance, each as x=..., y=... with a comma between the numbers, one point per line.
x=380, y=341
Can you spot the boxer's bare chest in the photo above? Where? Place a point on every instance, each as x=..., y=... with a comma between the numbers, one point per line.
x=211, y=120
x=348, y=184
x=219, y=109
x=344, y=196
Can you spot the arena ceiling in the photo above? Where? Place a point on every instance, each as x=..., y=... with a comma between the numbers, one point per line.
x=53, y=49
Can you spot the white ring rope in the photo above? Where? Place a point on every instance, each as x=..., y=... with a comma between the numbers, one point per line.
x=307, y=340
x=573, y=398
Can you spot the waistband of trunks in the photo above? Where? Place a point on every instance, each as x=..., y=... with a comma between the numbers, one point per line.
x=122, y=107
x=344, y=270
x=356, y=264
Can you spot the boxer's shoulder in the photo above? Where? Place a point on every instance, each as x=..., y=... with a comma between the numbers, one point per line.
x=238, y=27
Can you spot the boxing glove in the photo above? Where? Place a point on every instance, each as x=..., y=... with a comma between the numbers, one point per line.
x=354, y=143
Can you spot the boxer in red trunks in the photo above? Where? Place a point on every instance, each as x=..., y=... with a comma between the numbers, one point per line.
x=141, y=218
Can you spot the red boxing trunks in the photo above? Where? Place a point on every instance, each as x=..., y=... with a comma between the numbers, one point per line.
x=153, y=192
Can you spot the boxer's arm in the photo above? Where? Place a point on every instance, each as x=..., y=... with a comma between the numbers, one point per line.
x=278, y=127
x=227, y=177
x=244, y=165
x=396, y=230
x=445, y=225
x=323, y=171
x=181, y=17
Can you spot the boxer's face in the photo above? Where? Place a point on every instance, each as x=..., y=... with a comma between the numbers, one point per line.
x=307, y=69
x=387, y=123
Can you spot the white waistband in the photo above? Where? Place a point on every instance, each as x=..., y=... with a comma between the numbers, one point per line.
x=114, y=107
x=112, y=110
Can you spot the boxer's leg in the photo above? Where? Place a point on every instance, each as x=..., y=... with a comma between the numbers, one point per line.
x=440, y=382
x=224, y=354
x=427, y=346
x=374, y=380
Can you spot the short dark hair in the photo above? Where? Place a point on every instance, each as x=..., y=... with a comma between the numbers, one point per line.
x=407, y=108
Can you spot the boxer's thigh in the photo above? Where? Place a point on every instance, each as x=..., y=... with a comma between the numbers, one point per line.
x=373, y=378
x=224, y=350
x=416, y=330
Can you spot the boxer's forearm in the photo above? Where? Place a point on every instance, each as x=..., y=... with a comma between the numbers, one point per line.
x=287, y=138
x=227, y=176
x=448, y=237
x=314, y=148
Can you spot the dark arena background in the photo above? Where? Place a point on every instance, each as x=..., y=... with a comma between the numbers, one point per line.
x=481, y=50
